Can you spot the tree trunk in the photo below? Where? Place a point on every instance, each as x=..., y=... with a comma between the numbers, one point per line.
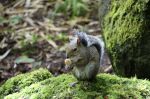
x=126, y=30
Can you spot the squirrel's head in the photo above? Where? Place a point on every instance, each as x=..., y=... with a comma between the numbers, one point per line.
x=75, y=45
x=76, y=49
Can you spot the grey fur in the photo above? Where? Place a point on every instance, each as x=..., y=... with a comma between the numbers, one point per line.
x=89, y=40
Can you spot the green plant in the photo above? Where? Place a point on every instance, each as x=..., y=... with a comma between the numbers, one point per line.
x=13, y=20
x=58, y=37
x=72, y=7
x=28, y=39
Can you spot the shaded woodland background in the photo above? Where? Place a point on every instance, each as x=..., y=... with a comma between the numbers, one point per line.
x=33, y=33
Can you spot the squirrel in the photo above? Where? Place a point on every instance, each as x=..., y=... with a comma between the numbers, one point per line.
x=84, y=54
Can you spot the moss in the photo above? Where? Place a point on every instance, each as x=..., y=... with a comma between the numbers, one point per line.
x=105, y=86
x=126, y=33
x=19, y=82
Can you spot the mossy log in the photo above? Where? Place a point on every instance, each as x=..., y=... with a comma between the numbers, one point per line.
x=126, y=31
x=40, y=84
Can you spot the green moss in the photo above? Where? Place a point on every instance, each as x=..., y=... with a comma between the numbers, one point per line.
x=126, y=33
x=105, y=85
x=19, y=82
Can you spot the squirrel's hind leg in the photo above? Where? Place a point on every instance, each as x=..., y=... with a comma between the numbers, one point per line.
x=92, y=70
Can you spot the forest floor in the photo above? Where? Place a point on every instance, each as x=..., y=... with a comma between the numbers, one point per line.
x=32, y=35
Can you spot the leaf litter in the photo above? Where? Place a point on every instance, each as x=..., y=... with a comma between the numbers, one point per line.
x=32, y=35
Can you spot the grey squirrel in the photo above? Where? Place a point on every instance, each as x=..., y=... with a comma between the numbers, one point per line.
x=84, y=54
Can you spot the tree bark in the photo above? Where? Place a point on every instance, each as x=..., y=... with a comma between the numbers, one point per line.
x=126, y=30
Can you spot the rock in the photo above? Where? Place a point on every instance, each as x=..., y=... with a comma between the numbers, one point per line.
x=40, y=84
x=127, y=36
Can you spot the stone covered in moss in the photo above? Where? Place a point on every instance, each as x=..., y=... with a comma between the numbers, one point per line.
x=105, y=86
x=19, y=82
x=127, y=34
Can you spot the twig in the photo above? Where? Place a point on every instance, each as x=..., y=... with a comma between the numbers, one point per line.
x=49, y=40
x=4, y=55
x=28, y=3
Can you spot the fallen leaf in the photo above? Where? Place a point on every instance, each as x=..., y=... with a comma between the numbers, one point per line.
x=24, y=59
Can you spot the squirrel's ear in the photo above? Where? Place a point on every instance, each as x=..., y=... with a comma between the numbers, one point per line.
x=78, y=41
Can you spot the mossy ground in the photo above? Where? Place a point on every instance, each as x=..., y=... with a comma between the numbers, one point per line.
x=19, y=82
x=44, y=86
x=126, y=33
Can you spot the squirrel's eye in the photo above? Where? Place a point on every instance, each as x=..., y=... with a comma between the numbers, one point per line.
x=74, y=49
